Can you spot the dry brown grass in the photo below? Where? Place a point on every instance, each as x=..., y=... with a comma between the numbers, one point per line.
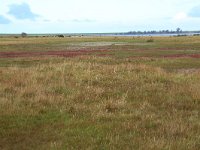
x=92, y=102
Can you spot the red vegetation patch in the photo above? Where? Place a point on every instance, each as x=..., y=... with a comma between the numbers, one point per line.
x=49, y=53
x=161, y=49
x=183, y=56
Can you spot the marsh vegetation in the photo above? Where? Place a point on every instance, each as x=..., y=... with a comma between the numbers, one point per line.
x=123, y=93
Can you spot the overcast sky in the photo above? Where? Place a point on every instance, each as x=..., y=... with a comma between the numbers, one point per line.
x=75, y=16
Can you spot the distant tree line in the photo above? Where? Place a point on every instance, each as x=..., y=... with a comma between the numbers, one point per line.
x=177, y=31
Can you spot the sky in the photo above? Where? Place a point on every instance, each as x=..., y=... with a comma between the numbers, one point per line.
x=97, y=16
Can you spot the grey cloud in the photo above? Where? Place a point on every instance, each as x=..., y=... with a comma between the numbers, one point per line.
x=22, y=11
x=83, y=21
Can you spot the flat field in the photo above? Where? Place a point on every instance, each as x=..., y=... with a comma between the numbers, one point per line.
x=100, y=93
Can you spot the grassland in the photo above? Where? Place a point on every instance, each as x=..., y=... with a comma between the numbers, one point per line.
x=100, y=93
